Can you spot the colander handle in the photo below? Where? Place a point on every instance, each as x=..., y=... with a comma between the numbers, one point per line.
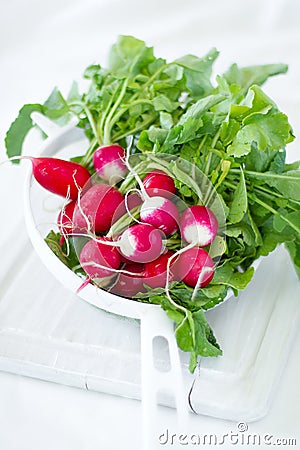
x=57, y=136
x=155, y=323
x=49, y=127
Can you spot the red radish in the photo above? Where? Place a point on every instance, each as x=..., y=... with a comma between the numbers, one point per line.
x=160, y=213
x=109, y=163
x=96, y=259
x=96, y=208
x=141, y=243
x=158, y=183
x=195, y=267
x=129, y=285
x=156, y=271
x=125, y=260
x=198, y=225
x=61, y=177
x=157, y=211
x=65, y=219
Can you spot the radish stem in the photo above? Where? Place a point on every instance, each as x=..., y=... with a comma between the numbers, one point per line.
x=108, y=125
x=144, y=194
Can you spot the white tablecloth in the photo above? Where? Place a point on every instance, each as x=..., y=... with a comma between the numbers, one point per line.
x=43, y=44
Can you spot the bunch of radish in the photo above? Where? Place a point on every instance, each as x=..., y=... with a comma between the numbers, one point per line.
x=139, y=255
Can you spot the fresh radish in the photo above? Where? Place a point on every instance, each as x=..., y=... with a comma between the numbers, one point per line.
x=65, y=219
x=141, y=243
x=195, y=267
x=158, y=183
x=109, y=163
x=157, y=211
x=160, y=213
x=198, y=225
x=129, y=285
x=96, y=208
x=96, y=259
x=125, y=260
x=61, y=177
x=156, y=271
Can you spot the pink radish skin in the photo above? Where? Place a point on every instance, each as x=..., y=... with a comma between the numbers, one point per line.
x=157, y=211
x=161, y=213
x=101, y=254
x=158, y=183
x=125, y=260
x=195, y=263
x=198, y=225
x=98, y=204
x=61, y=177
x=109, y=163
x=129, y=285
x=141, y=243
x=156, y=271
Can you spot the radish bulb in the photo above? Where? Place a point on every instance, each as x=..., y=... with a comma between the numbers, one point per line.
x=96, y=208
x=158, y=183
x=156, y=271
x=141, y=243
x=160, y=213
x=195, y=267
x=198, y=225
x=97, y=259
x=109, y=163
x=129, y=285
x=61, y=177
x=157, y=211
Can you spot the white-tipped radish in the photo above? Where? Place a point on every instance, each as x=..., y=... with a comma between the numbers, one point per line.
x=109, y=163
x=157, y=211
x=195, y=267
x=198, y=225
x=160, y=213
x=141, y=243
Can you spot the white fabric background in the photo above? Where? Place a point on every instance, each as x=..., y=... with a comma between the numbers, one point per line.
x=43, y=44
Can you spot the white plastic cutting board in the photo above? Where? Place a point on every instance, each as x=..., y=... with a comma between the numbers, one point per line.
x=48, y=333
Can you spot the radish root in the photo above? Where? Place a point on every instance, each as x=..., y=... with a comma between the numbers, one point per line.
x=181, y=308
x=60, y=223
x=127, y=207
x=205, y=271
x=143, y=192
x=88, y=223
